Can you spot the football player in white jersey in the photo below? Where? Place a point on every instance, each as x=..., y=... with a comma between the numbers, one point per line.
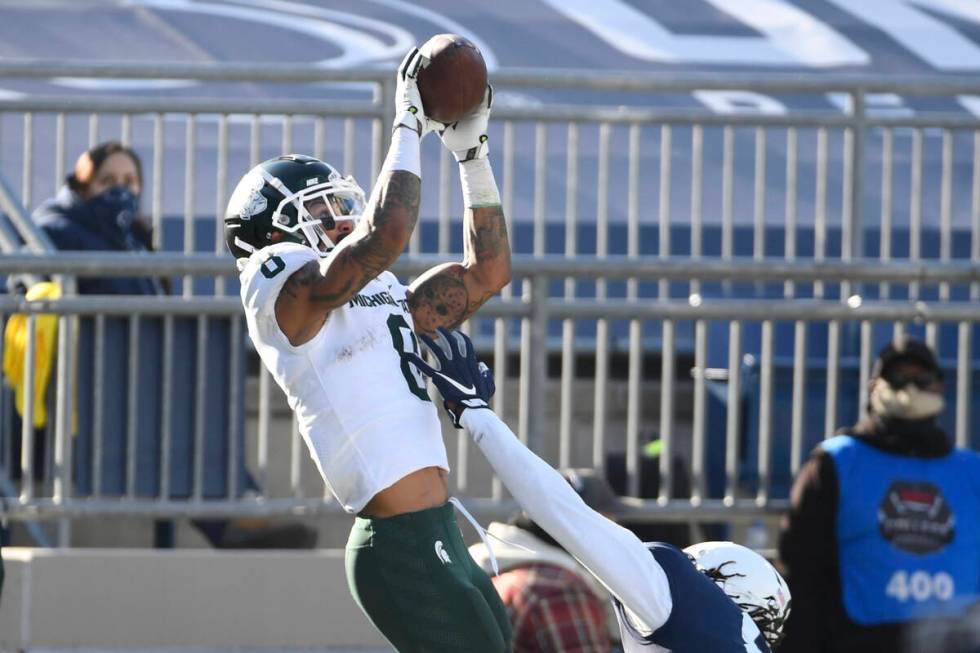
x=332, y=324
x=713, y=597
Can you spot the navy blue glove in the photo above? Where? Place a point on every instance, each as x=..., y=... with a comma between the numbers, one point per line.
x=463, y=381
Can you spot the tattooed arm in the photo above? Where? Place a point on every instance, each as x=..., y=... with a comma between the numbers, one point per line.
x=448, y=294
x=314, y=290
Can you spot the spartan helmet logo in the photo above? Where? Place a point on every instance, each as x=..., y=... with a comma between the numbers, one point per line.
x=248, y=200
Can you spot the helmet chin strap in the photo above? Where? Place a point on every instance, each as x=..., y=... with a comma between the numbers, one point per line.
x=242, y=244
x=240, y=263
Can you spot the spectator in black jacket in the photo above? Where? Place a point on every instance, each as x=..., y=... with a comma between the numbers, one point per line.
x=883, y=521
x=98, y=210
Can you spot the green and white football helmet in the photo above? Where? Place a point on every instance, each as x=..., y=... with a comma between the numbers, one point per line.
x=277, y=196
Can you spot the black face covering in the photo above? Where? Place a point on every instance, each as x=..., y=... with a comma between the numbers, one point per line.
x=908, y=401
x=117, y=205
x=114, y=213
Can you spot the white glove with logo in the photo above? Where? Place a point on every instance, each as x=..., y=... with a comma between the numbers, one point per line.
x=408, y=101
x=467, y=138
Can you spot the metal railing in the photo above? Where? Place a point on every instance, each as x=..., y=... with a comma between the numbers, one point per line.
x=622, y=144
x=865, y=224
x=739, y=471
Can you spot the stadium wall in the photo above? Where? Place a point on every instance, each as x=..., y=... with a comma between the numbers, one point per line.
x=139, y=599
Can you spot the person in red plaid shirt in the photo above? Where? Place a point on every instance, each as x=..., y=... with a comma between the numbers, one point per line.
x=554, y=604
x=552, y=610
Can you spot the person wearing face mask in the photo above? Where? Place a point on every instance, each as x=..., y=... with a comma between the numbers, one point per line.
x=883, y=529
x=98, y=209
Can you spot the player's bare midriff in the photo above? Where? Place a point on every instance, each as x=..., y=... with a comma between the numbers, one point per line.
x=423, y=488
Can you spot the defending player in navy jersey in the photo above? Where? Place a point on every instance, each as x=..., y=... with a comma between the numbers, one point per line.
x=331, y=324
x=713, y=597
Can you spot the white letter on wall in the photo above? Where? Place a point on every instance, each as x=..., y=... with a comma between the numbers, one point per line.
x=740, y=102
x=932, y=40
x=791, y=37
x=971, y=103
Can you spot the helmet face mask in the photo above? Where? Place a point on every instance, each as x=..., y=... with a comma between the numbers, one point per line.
x=298, y=196
x=341, y=198
x=748, y=580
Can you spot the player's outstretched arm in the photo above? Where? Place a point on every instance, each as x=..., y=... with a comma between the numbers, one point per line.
x=380, y=237
x=448, y=294
x=613, y=554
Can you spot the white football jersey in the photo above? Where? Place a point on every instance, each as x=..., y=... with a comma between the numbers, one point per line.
x=364, y=411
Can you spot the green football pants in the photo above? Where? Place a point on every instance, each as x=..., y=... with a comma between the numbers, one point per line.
x=414, y=579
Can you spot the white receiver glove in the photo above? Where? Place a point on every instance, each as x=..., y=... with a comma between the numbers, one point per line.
x=408, y=101
x=467, y=138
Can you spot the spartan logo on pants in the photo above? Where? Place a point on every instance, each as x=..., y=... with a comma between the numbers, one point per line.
x=915, y=517
x=441, y=553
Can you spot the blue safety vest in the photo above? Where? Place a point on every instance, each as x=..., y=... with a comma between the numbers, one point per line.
x=908, y=532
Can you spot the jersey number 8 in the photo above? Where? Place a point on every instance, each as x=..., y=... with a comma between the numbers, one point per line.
x=272, y=266
x=405, y=341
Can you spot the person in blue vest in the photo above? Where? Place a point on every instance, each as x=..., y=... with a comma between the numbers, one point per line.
x=884, y=522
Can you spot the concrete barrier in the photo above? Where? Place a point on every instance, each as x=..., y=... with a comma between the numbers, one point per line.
x=141, y=599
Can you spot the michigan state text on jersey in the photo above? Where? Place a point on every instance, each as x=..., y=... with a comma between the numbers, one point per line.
x=330, y=323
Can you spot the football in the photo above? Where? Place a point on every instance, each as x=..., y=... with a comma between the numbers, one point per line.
x=454, y=82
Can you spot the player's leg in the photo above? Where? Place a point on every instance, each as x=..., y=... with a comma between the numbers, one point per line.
x=483, y=583
x=371, y=591
x=411, y=575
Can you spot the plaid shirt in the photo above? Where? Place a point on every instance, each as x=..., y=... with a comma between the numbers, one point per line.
x=552, y=610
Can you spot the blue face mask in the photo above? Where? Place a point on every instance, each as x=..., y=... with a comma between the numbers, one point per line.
x=115, y=206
